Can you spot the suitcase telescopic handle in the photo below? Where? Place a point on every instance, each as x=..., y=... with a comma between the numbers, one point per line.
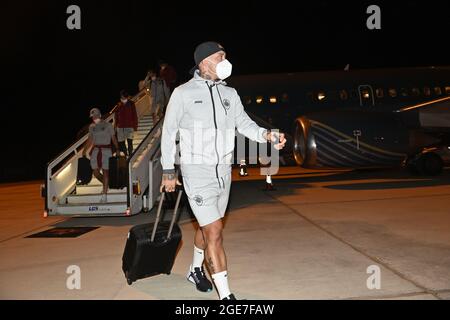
x=174, y=217
x=158, y=215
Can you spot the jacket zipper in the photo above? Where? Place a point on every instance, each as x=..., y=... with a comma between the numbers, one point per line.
x=215, y=136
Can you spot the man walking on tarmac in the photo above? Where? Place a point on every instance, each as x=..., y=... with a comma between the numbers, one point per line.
x=206, y=113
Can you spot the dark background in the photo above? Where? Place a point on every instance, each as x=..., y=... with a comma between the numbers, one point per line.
x=52, y=76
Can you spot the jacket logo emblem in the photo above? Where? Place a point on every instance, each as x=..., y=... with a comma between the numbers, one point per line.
x=198, y=200
x=226, y=103
x=198, y=101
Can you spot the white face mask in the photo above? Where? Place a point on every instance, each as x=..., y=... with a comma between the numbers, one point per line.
x=124, y=100
x=223, y=69
x=97, y=120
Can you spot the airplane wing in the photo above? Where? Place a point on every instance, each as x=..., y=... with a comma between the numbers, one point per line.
x=433, y=115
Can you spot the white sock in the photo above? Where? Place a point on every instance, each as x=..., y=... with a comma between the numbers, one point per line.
x=221, y=281
x=198, y=258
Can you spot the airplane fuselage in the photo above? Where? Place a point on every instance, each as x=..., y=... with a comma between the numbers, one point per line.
x=351, y=118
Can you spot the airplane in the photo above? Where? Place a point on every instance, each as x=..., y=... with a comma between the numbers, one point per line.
x=356, y=118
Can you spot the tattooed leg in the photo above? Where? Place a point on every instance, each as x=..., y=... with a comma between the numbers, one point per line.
x=211, y=265
x=215, y=254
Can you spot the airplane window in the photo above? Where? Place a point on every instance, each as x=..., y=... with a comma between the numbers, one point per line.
x=392, y=93
x=447, y=90
x=437, y=91
x=284, y=97
x=343, y=94
x=404, y=92
x=321, y=96
x=426, y=91
x=379, y=92
x=259, y=99
x=273, y=99
x=365, y=94
x=247, y=100
x=415, y=92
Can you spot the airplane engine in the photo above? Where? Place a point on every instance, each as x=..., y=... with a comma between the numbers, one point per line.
x=354, y=140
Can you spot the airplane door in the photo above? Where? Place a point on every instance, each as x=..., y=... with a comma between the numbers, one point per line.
x=366, y=97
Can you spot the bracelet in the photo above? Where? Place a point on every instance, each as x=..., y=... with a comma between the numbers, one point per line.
x=169, y=176
x=268, y=131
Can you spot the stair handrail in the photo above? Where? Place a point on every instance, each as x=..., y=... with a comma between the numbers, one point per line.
x=130, y=161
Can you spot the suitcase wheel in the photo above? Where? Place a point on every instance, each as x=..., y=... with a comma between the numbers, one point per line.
x=129, y=281
x=168, y=273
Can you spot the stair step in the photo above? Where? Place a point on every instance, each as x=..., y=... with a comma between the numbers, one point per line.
x=95, y=198
x=117, y=208
x=94, y=189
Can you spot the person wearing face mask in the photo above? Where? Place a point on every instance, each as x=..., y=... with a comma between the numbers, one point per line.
x=126, y=122
x=160, y=95
x=205, y=112
x=101, y=133
x=168, y=74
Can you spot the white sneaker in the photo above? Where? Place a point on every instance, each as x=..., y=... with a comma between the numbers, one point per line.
x=103, y=198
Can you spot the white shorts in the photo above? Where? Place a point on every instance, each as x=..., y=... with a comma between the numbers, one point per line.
x=124, y=133
x=208, y=197
x=106, y=154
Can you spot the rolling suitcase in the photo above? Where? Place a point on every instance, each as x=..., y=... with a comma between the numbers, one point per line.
x=84, y=171
x=118, y=173
x=151, y=248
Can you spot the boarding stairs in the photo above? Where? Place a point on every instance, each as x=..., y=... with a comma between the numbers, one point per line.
x=64, y=196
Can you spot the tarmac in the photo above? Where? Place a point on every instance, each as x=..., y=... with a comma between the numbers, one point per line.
x=333, y=234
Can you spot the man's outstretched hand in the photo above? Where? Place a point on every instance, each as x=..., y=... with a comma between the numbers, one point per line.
x=278, y=138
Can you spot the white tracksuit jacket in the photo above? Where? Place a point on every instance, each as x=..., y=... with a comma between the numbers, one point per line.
x=206, y=114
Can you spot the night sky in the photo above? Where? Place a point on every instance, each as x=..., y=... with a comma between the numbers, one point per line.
x=52, y=76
